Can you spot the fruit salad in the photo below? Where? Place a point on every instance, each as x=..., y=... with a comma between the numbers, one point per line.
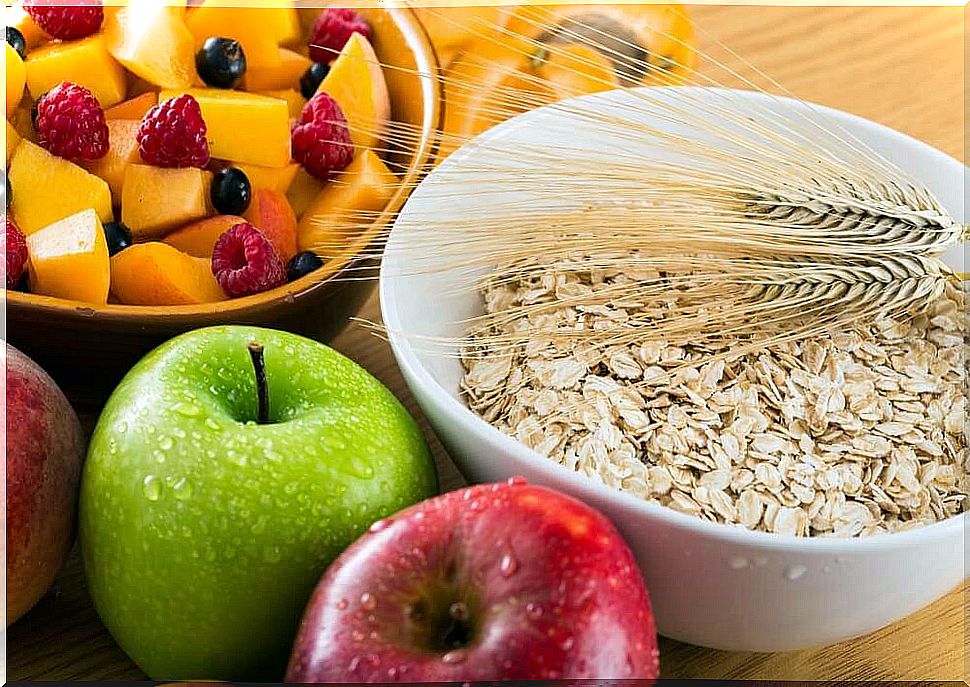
x=174, y=155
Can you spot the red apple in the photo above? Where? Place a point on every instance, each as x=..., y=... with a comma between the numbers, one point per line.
x=45, y=449
x=495, y=582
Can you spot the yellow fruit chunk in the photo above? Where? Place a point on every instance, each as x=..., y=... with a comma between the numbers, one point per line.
x=16, y=78
x=577, y=69
x=199, y=238
x=150, y=39
x=243, y=127
x=284, y=75
x=245, y=24
x=86, y=62
x=23, y=121
x=357, y=83
x=346, y=205
x=303, y=189
x=17, y=17
x=156, y=274
x=13, y=140
x=271, y=178
x=69, y=259
x=156, y=200
x=47, y=188
x=122, y=153
x=295, y=102
x=136, y=108
x=277, y=17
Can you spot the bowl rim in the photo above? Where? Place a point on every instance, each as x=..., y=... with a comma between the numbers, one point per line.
x=421, y=161
x=460, y=415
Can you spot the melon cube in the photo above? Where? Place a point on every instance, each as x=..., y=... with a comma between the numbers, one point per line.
x=286, y=74
x=69, y=259
x=243, y=127
x=150, y=39
x=47, y=188
x=155, y=200
x=135, y=108
x=157, y=274
x=122, y=153
x=86, y=62
x=16, y=77
x=295, y=101
x=271, y=178
x=245, y=24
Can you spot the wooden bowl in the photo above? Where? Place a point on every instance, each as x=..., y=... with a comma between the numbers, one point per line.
x=87, y=348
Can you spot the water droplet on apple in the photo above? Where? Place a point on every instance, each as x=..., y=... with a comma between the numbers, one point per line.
x=392, y=673
x=567, y=644
x=358, y=636
x=342, y=605
x=272, y=554
x=182, y=489
x=475, y=505
x=237, y=458
x=121, y=427
x=454, y=657
x=533, y=610
x=354, y=664
x=165, y=443
x=517, y=479
x=187, y=409
x=367, y=601
x=508, y=565
x=152, y=488
x=381, y=525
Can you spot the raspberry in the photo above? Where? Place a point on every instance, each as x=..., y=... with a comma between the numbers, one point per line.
x=331, y=31
x=244, y=262
x=320, y=140
x=15, y=259
x=66, y=21
x=70, y=123
x=172, y=134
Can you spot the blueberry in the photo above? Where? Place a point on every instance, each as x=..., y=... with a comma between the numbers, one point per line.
x=302, y=264
x=117, y=236
x=221, y=62
x=17, y=42
x=231, y=191
x=312, y=77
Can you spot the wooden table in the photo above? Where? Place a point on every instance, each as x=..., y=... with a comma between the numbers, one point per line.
x=899, y=66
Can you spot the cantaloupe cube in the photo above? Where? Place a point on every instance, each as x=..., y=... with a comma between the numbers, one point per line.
x=122, y=153
x=135, y=108
x=244, y=24
x=280, y=18
x=13, y=140
x=69, y=259
x=85, y=62
x=243, y=127
x=16, y=16
x=357, y=83
x=155, y=200
x=346, y=205
x=156, y=274
x=47, y=188
x=284, y=75
x=295, y=102
x=150, y=39
x=16, y=78
x=303, y=189
x=199, y=238
x=272, y=178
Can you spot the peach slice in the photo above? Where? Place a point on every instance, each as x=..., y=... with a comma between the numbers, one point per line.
x=86, y=62
x=356, y=82
x=150, y=39
x=199, y=238
x=69, y=259
x=122, y=153
x=346, y=205
x=16, y=78
x=243, y=127
x=135, y=108
x=270, y=212
x=47, y=188
x=284, y=75
x=155, y=200
x=157, y=274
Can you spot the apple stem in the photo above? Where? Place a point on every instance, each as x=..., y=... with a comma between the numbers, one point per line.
x=262, y=388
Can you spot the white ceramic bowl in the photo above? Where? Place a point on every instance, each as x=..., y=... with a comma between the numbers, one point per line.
x=711, y=584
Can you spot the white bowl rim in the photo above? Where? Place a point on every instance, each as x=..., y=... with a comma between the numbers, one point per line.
x=458, y=413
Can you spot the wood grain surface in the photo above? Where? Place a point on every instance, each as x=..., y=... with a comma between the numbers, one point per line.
x=900, y=66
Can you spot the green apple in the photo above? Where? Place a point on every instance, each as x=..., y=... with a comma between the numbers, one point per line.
x=204, y=530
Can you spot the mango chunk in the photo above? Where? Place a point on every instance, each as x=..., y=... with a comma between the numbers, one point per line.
x=155, y=200
x=243, y=127
x=17, y=17
x=245, y=24
x=295, y=101
x=16, y=78
x=86, y=62
x=357, y=83
x=284, y=75
x=47, y=188
x=199, y=238
x=303, y=189
x=23, y=121
x=346, y=205
x=271, y=178
x=13, y=140
x=135, y=108
x=156, y=274
x=69, y=259
x=150, y=39
x=122, y=153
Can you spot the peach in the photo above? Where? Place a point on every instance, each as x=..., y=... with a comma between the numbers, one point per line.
x=284, y=75
x=150, y=39
x=346, y=205
x=199, y=238
x=86, y=62
x=69, y=259
x=271, y=213
x=134, y=108
x=275, y=178
x=122, y=153
x=155, y=201
x=157, y=274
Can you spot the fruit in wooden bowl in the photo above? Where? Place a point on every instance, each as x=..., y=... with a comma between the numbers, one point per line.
x=148, y=196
